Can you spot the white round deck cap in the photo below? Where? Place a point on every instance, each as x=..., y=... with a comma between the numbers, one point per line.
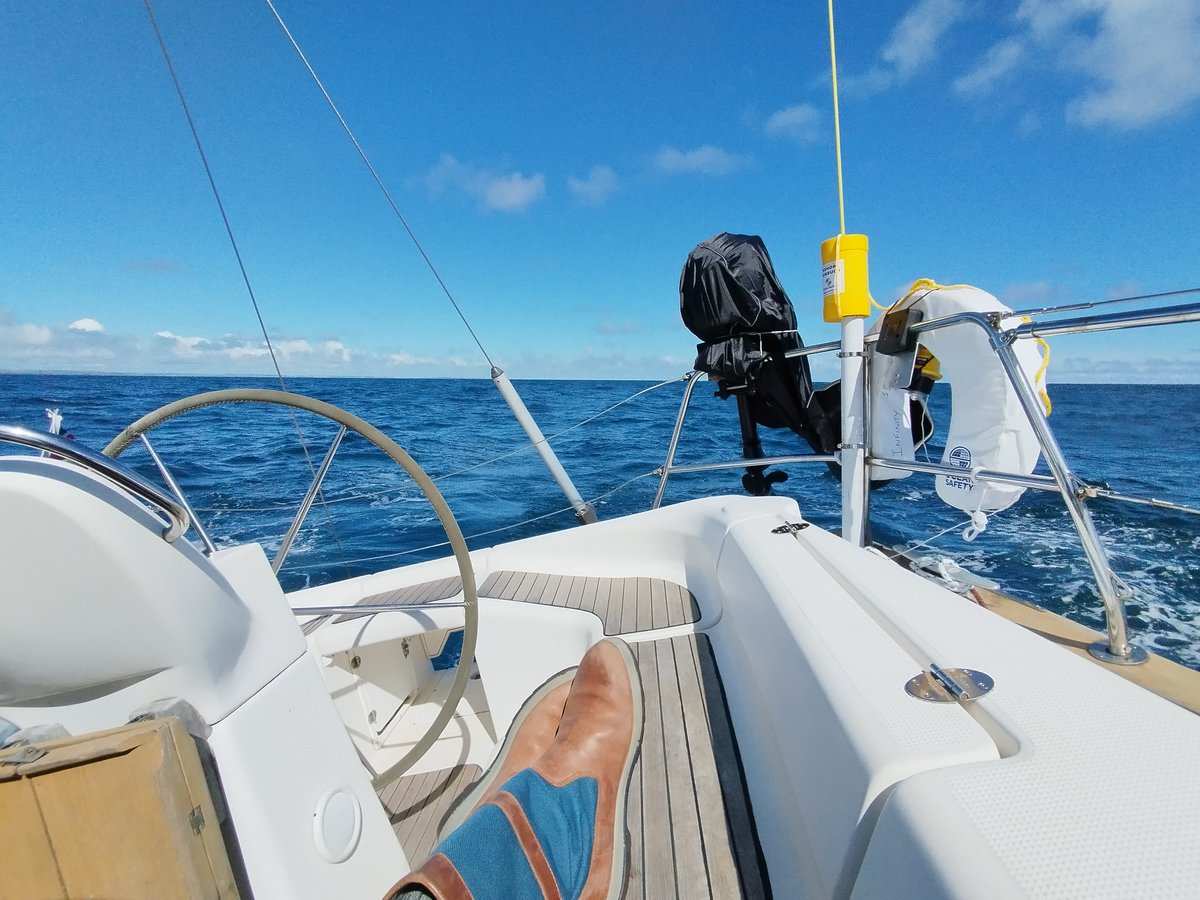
x=337, y=825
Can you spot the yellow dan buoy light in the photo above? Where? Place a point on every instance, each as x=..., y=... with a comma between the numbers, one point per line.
x=844, y=277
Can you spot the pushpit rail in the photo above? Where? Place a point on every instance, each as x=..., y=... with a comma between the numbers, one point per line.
x=1075, y=492
x=178, y=520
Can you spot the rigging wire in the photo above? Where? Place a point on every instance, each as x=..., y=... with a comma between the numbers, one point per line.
x=212, y=183
x=557, y=434
x=379, y=181
x=1091, y=304
x=371, y=495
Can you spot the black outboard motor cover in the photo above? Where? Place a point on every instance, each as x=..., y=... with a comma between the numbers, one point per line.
x=730, y=298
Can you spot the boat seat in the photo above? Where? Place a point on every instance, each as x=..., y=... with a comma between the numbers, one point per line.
x=624, y=606
x=112, y=616
x=689, y=817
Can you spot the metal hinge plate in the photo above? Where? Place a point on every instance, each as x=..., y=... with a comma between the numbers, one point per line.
x=940, y=685
x=790, y=528
x=196, y=819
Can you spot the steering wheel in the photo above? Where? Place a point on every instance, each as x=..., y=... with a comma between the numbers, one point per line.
x=453, y=533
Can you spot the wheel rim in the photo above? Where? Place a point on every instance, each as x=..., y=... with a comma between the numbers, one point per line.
x=398, y=455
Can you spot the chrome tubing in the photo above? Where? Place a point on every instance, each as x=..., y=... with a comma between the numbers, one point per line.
x=827, y=347
x=1162, y=315
x=306, y=503
x=110, y=469
x=1037, y=482
x=371, y=609
x=665, y=472
x=743, y=463
x=1118, y=650
x=209, y=546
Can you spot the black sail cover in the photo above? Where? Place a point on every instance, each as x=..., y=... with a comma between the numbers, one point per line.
x=730, y=298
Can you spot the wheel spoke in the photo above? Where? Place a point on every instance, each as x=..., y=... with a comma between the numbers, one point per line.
x=306, y=503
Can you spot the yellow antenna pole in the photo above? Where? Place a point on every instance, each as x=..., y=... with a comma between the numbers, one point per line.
x=837, y=124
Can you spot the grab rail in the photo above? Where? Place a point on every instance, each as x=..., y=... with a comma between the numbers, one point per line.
x=109, y=469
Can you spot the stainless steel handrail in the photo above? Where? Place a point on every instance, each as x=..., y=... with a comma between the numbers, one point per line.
x=761, y=461
x=668, y=468
x=109, y=469
x=1161, y=315
x=372, y=609
x=1037, y=482
x=1075, y=492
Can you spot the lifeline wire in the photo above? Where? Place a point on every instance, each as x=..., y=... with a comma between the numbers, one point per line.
x=557, y=434
x=471, y=537
x=487, y=462
x=379, y=181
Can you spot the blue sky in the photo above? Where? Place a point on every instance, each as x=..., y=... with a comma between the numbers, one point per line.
x=558, y=161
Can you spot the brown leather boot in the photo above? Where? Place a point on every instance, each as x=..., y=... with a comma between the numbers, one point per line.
x=555, y=828
x=528, y=737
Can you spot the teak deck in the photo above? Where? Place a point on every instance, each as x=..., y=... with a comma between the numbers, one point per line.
x=624, y=605
x=690, y=825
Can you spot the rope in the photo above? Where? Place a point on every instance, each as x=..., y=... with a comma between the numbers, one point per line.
x=928, y=542
x=379, y=181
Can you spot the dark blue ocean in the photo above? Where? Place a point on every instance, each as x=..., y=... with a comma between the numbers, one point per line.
x=243, y=469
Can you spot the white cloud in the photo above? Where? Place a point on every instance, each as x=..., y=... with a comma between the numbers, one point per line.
x=243, y=351
x=87, y=325
x=27, y=333
x=706, y=160
x=1137, y=58
x=337, y=351
x=800, y=123
x=1001, y=60
x=292, y=347
x=1144, y=63
x=513, y=192
x=596, y=187
x=912, y=44
x=508, y=192
x=184, y=347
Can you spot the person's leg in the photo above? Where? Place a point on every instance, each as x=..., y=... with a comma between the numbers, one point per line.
x=556, y=827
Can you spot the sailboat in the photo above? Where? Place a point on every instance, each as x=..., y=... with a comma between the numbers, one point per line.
x=812, y=718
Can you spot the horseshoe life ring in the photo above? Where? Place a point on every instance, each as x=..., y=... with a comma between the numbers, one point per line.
x=988, y=427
